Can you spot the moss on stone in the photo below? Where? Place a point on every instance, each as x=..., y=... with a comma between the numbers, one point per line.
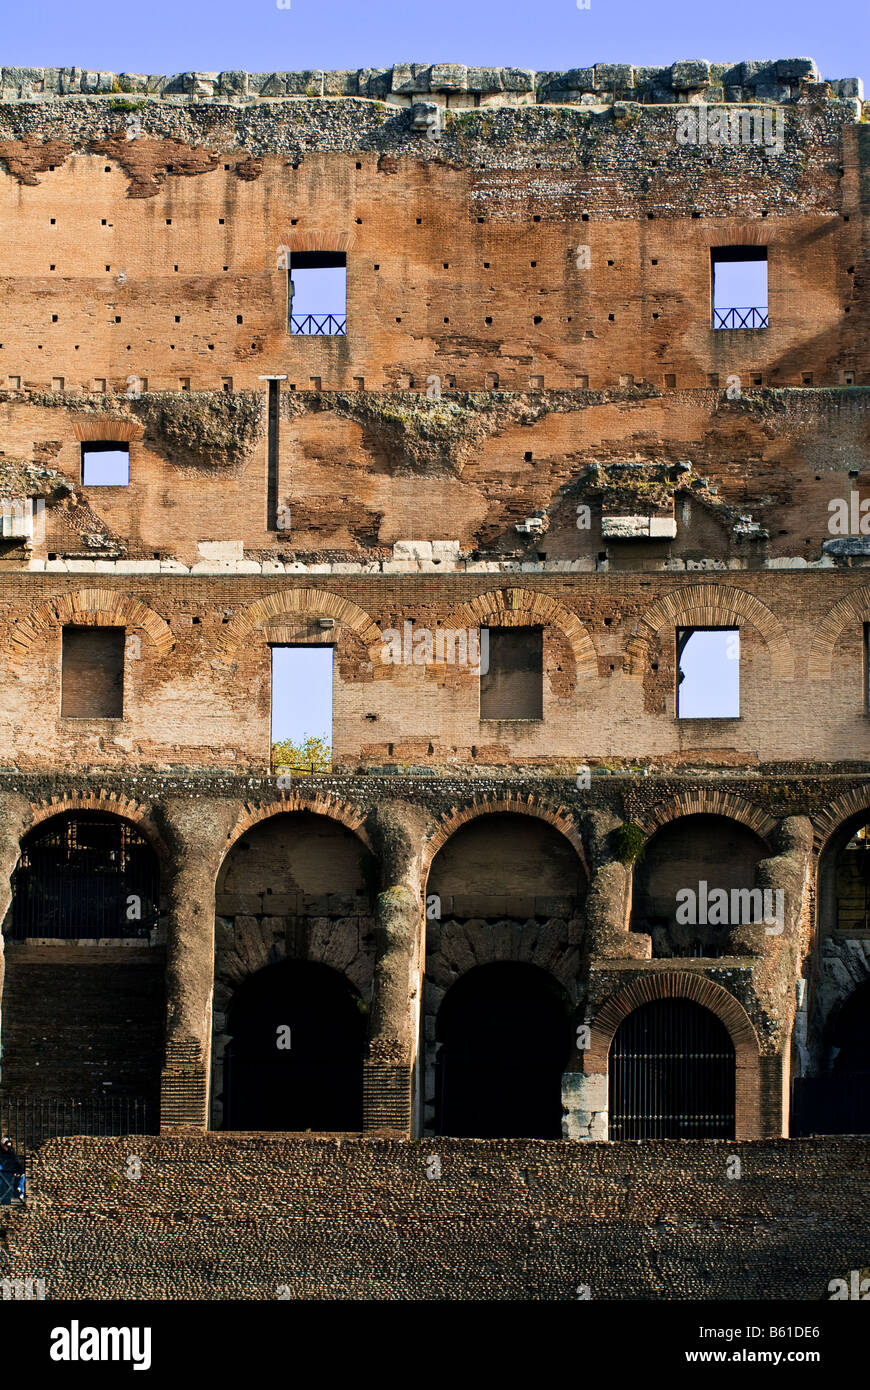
x=206, y=428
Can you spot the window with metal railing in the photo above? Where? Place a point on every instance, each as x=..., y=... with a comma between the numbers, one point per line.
x=739, y=287
x=317, y=294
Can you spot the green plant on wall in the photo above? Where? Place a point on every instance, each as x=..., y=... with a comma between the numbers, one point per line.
x=312, y=754
x=629, y=841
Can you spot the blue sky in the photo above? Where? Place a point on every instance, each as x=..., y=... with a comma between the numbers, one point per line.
x=301, y=693
x=166, y=37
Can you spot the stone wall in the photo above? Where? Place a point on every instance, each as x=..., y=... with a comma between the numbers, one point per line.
x=266, y=1218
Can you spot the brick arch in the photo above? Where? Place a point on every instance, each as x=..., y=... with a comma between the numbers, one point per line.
x=319, y=803
x=708, y=801
x=525, y=608
x=320, y=603
x=854, y=608
x=107, y=803
x=95, y=608
x=710, y=605
x=104, y=429
x=834, y=816
x=512, y=803
x=686, y=984
x=296, y=240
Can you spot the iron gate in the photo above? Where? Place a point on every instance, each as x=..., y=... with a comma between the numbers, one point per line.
x=672, y=1074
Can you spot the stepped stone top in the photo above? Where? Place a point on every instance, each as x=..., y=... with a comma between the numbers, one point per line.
x=404, y=84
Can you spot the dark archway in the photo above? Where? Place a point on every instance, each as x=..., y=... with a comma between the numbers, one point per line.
x=84, y=993
x=85, y=876
x=313, y=1079
x=504, y=1039
x=672, y=1074
x=716, y=850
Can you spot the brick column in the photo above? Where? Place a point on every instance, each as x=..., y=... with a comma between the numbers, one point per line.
x=197, y=833
x=397, y=835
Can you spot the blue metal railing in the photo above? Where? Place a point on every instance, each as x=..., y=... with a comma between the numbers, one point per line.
x=319, y=325
x=740, y=318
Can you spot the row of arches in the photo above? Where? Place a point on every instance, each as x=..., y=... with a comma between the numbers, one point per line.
x=504, y=986
x=705, y=604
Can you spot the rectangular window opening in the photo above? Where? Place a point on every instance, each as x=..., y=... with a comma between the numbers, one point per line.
x=739, y=287
x=512, y=673
x=302, y=691
x=708, y=673
x=317, y=293
x=92, y=673
x=106, y=464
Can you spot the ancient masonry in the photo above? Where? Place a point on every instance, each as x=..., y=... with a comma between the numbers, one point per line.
x=425, y=997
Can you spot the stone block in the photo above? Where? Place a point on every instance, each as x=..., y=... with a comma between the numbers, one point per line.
x=305, y=84
x=772, y=91
x=848, y=87
x=275, y=84
x=609, y=77
x=233, y=83
x=518, y=79
x=485, y=80
x=797, y=69
x=448, y=77
x=412, y=550
x=690, y=74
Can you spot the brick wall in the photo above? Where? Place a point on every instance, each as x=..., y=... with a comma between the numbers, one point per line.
x=225, y=1217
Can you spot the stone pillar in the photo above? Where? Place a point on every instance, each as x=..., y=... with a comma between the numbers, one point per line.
x=197, y=835
x=15, y=817
x=779, y=946
x=608, y=900
x=396, y=834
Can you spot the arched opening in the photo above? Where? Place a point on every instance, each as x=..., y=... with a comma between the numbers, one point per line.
x=83, y=1014
x=505, y=889
x=844, y=876
x=296, y=887
x=672, y=1074
x=683, y=866
x=294, y=1060
x=504, y=1038
x=85, y=876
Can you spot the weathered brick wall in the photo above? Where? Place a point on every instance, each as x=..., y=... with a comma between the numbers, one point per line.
x=83, y=1020
x=262, y=1218
x=197, y=687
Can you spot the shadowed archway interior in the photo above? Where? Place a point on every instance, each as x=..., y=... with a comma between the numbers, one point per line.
x=295, y=1056
x=504, y=1040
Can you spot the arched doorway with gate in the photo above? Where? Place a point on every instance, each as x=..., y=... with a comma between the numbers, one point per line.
x=294, y=1059
x=504, y=1038
x=672, y=1074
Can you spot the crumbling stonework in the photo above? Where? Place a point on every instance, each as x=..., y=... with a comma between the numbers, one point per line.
x=501, y=488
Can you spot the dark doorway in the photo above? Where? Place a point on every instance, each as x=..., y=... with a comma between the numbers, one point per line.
x=295, y=1057
x=839, y=1103
x=672, y=1074
x=505, y=1037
